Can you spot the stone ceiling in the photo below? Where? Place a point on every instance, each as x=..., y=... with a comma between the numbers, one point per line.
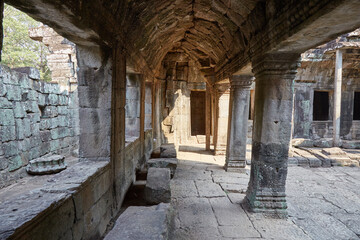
x=223, y=35
x=202, y=28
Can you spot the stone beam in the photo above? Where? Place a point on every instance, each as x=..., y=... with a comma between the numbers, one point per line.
x=292, y=26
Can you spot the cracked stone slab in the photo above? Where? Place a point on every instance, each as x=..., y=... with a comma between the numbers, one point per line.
x=183, y=188
x=232, y=220
x=236, y=198
x=209, y=189
x=324, y=226
x=234, y=188
x=278, y=228
x=196, y=215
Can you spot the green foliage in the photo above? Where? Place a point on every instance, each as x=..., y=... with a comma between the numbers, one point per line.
x=19, y=49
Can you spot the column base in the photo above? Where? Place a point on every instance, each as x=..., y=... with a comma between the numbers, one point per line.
x=235, y=166
x=268, y=204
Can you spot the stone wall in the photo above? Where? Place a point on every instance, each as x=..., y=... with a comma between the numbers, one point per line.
x=62, y=60
x=36, y=119
x=317, y=73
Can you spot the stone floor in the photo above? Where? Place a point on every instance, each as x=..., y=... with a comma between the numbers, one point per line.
x=323, y=203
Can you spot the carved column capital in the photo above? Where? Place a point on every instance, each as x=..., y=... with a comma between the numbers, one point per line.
x=241, y=81
x=274, y=64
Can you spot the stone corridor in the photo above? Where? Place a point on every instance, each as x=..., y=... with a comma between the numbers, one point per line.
x=323, y=203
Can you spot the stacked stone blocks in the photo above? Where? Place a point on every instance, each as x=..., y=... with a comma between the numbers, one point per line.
x=36, y=119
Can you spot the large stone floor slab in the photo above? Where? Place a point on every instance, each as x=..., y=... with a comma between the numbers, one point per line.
x=323, y=203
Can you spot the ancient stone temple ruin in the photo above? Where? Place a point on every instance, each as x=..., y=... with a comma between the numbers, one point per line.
x=133, y=82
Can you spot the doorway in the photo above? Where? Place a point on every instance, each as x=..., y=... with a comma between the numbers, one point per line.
x=197, y=102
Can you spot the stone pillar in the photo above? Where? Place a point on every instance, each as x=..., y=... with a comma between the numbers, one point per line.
x=208, y=116
x=238, y=122
x=118, y=101
x=1, y=26
x=337, y=97
x=142, y=116
x=274, y=89
x=222, y=100
x=156, y=113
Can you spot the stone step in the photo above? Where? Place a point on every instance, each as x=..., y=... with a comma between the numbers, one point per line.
x=157, y=187
x=142, y=223
x=170, y=163
x=164, y=151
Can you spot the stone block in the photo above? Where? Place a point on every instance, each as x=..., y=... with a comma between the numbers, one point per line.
x=3, y=163
x=302, y=142
x=31, y=107
x=45, y=136
x=32, y=95
x=20, y=131
x=35, y=129
x=7, y=117
x=8, y=133
x=63, y=110
x=13, y=93
x=50, y=111
x=142, y=223
x=10, y=148
x=170, y=163
x=45, y=123
x=5, y=104
x=157, y=187
x=42, y=99
x=52, y=99
x=34, y=117
x=351, y=144
x=15, y=163
x=63, y=100
x=167, y=151
x=3, y=88
x=323, y=143
x=19, y=110
x=33, y=73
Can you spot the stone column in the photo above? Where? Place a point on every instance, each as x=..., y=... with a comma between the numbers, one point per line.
x=337, y=97
x=1, y=26
x=142, y=116
x=208, y=116
x=222, y=101
x=274, y=89
x=238, y=122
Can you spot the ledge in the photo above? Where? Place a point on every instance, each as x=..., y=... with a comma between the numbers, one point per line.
x=34, y=198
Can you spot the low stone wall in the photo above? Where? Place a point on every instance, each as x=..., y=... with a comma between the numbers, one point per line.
x=36, y=119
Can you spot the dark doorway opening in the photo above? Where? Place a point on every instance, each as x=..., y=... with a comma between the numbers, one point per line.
x=321, y=106
x=356, y=113
x=197, y=102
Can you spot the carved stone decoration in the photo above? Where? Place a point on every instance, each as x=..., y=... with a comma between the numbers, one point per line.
x=46, y=165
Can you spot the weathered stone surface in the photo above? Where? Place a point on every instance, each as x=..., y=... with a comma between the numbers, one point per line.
x=46, y=165
x=302, y=142
x=170, y=163
x=167, y=151
x=33, y=73
x=157, y=187
x=142, y=223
